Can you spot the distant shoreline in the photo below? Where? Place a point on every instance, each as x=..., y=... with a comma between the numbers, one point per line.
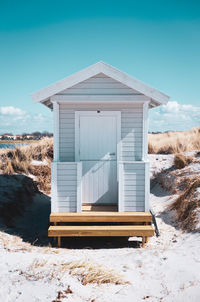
x=17, y=142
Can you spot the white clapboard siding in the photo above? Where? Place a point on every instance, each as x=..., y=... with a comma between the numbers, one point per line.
x=132, y=186
x=131, y=129
x=99, y=85
x=67, y=134
x=65, y=194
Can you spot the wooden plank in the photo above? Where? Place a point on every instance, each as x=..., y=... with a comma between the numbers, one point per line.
x=143, y=214
x=116, y=230
x=101, y=217
x=67, y=126
x=98, y=85
x=62, y=178
x=101, y=208
x=59, y=241
x=143, y=241
x=64, y=172
x=134, y=208
x=130, y=135
x=145, y=130
x=100, y=79
x=98, y=91
x=131, y=198
x=56, y=117
x=126, y=107
x=139, y=183
x=64, y=194
x=67, y=208
x=96, y=98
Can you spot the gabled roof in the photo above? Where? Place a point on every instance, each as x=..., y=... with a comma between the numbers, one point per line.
x=155, y=95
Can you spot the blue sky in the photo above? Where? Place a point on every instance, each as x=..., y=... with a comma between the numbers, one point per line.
x=41, y=42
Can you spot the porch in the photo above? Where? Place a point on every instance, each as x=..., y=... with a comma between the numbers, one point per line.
x=126, y=215
x=74, y=190
x=101, y=224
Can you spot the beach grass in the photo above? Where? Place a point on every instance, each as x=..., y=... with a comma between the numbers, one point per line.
x=174, y=142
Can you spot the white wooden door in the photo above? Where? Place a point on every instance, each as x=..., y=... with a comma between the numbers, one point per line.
x=98, y=153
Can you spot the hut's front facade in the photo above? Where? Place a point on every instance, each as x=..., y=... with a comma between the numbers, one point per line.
x=100, y=140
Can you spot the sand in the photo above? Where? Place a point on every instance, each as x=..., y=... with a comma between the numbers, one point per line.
x=167, y=269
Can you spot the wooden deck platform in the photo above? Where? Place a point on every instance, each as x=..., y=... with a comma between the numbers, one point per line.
x=101, y=230
x=126, y=224
x=101, y=217
x=87, y=207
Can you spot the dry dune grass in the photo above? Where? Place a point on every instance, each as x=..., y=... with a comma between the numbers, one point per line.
x=19, y=161
x=86, y=272
x=36, y=151
x=43, y=176
x=187, y=204
x=184, y=180
x=181, y=160
x=174, y=142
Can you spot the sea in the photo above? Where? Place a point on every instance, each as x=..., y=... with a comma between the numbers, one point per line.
x=11, y=146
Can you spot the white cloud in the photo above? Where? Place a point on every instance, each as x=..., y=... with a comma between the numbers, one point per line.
x=174, y=116
x=171, y=107
x=15, y=120
x=10, y=110
x=39, y=117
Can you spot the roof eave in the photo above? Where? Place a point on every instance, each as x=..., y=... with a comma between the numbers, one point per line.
x=42, y=95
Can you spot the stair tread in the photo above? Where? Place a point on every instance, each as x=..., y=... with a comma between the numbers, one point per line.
x=102, y=230
x=101, y=227
x=101, y=217
x=100, y=214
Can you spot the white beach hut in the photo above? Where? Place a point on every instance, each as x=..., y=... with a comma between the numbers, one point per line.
x=100, y=167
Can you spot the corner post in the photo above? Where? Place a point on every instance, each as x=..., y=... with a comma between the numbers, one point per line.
x=147, y=186
x=145, y=131
x=54, y=194
x=56, y=123
x=121, y=188
x=79, y=186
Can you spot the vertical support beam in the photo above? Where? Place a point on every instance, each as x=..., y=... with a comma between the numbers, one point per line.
x=55, y=238
x=55, y=241
x=59, y=241
x=145, y=153
x=54, y=194
x=56, y=123
x=119, y=141
x=143, y=241
x=147, y=185
x=79, y=186
x=55, y=157
x=145, y=131
x=77, y=135
x=121, y=188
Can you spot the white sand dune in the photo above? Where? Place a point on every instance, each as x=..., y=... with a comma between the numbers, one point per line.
x=167, y=270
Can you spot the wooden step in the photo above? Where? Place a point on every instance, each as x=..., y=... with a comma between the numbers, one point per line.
x=99, y=208
x=101, y=230
x=101, y=217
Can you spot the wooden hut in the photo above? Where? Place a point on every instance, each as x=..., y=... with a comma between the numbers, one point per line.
x=100, y=171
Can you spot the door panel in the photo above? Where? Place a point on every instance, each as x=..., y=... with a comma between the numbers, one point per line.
x=99, y=182
x=98, y=139
x=98, y=154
